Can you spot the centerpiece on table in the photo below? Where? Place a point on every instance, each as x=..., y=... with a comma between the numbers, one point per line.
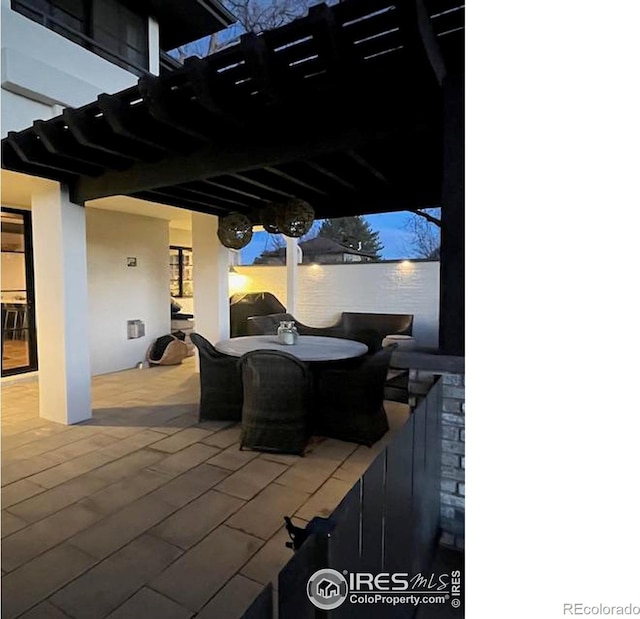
x=287, y=333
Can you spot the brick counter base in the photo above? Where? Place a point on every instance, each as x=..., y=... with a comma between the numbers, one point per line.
x=452, y=484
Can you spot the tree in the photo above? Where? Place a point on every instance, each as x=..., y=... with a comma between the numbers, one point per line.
x=259, y=15
x=200, y=48
x=424, y=228
x=354, y=232
x=253, y=16
x=278, y=241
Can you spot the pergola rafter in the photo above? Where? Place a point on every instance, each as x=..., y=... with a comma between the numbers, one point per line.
x=341, y=108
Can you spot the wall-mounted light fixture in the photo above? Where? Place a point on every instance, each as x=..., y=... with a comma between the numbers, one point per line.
x=237, y=281
x=406, y=266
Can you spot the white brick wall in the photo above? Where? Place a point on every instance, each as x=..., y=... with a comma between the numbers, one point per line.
x=328, y=290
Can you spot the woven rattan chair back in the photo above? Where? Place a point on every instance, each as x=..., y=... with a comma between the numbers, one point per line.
x=220, y=383
x=350, y=400
x=266, y=325
x=275, y=410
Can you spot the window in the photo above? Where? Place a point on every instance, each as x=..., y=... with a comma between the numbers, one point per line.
x=121, y=31
x=181, y=265
x=19, y=352
x=106, y=27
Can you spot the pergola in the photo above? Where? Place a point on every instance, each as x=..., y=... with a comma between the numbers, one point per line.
x=355, y=108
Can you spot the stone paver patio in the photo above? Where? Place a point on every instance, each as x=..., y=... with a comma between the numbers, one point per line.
x=143, y=511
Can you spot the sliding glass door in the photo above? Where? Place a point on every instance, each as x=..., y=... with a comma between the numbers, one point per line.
x=18, y=308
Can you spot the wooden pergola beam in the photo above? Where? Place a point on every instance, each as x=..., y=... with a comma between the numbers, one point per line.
x=220, y=159
x=342, y=108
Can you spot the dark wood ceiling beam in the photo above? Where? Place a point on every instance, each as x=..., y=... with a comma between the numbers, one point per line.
x=327, y=32
x=31, y=150
x=118, y=116
x=43, y=134
x=190, y=198
x=452, y=45
x=367, y=166
x=358, y=9
x=437, y=7
x=294, y=180
x=272, y=183
x=376, y=24
x=234, y=190
x=211, y=196
x=60, y=141
x=157, y=94
x=347, y=205
x=128, y=116
x=331, y=175
x=259, y=61
x=83, y=125
x=451, y=20
x=295, y=53
x=170, y=200
x=341, y=204
x=211, y=94
x=228, y=158
x=11, y=161
x=279, y=60
x=246, y=179
x=384, y=42
x=414, y=17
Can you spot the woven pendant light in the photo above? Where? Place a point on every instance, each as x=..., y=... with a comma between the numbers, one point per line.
x=235, y=230
x=295, y=217
x=268, y=216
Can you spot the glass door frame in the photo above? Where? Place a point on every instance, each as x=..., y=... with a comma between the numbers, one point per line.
x=32, y=340
x=181, y=249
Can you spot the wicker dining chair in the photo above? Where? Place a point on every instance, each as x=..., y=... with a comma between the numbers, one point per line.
x=370, y=337
x=269, y=323
x=220, y=383
x=349, y=400
x=275, y=410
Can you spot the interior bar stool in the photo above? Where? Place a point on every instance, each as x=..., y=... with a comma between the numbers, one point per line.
x=10, y=324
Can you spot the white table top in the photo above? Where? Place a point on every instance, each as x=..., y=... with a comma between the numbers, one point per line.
x=308, y=347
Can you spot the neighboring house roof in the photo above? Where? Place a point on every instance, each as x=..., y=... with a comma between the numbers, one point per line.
x=319, y=246
x=183, y=21
x=324, y=245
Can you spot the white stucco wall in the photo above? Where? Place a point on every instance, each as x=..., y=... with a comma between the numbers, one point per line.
x=118, y=293
x=42, y=70
x=271, y=279
x=18, y=112
x=327, y=290
x=180, y=237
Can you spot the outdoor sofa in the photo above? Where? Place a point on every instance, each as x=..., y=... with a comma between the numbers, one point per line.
x=370, y=328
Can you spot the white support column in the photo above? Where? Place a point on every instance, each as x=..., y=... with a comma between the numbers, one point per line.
x=293, y=256
x=62, y=306
x=154, y=46
x=210, y=279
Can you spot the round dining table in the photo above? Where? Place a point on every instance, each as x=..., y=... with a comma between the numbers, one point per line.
x=307, y=348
